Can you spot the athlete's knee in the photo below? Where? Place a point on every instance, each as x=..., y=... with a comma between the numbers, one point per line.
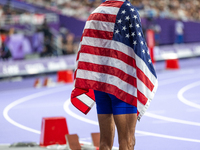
x=127, y=143
x=132, y=144
x=105, y=146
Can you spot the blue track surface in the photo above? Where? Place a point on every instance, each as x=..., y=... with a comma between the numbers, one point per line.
x=171, y=122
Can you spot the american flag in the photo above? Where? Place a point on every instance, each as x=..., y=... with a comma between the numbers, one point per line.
x=113, y=57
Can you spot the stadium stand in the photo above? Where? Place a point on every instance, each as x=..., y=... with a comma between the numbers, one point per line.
x=47, y=29
x=183, y=9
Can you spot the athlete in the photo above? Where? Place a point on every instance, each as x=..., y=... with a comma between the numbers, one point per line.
x=114, y=69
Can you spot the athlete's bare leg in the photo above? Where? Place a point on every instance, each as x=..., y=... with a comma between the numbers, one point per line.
x=126, y=124
x=107, y=131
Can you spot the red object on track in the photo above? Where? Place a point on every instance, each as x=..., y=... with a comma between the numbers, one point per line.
x=172, y=64
x=53, y=131
x=65, y=76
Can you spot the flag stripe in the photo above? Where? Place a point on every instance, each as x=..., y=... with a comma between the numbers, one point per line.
x=98, y=34
x=142, y=98
x=110, y=44
x=100, y=25
x=107, y=79
x=140, y=106
x=109, y=70
x=108, y=61
x=108, y=88
x=106, y=10
x=80, y=105
x=109, y=53
x=144, y=79
x=143, y=89
x=103, y=17
x=116, y=3
x=86, y=100
x=141, y=64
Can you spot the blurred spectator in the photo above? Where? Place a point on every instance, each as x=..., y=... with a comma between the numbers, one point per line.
x=68, y=44
x=25, y=17
x=5, y=52
x=3, y=35
x=68, y=10
x=1, y=11
x=46, y=30
x=179, y=31
x=48, y=41
x=157, y=30
x=48, y=48
x=11, y=31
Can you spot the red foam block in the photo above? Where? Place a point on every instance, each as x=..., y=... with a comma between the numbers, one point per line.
x=172, y=64
x=53, y=131
x=65, y=76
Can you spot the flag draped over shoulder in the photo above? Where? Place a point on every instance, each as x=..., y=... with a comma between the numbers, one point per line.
x=113, y=57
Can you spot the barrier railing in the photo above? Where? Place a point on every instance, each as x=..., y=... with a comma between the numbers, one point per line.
x=34, y=19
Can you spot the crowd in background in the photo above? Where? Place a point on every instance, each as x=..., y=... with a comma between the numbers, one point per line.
x=183, y=9
x=176, y=9
x=5, y=10
x=76, y=8
x=67, y=43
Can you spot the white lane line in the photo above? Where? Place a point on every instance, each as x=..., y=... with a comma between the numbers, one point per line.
x=24, y=99
x=171, y=119
x=184, y=89
x=169, y=81
x=180, y=96
x=68, y=111
x=168, y=136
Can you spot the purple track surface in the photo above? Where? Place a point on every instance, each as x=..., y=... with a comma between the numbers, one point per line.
x=172, y=121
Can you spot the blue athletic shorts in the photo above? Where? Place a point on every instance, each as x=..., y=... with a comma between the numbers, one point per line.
x=109, y=104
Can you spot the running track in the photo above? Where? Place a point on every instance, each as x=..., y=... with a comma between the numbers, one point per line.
x=172, y=121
